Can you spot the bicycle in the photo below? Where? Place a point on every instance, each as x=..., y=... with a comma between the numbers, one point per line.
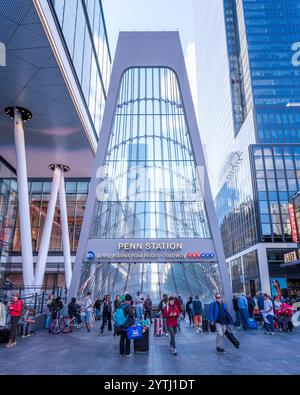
x=56, y=325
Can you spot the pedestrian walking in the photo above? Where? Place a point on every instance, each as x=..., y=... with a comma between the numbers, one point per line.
x=97, y=309
x=106, y=313
x=171, y=314
x=197, y=308
x=88, y=310
x=189, y=310
x=15, y=310
x=219, y=317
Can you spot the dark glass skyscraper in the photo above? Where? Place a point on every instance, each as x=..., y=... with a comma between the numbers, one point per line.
x=250, y=124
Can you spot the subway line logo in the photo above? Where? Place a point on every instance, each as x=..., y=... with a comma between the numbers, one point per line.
x=203, y=255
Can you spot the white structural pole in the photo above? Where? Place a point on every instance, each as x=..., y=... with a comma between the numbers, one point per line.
x=65, y=231
x=19, y=114
x=45, y=242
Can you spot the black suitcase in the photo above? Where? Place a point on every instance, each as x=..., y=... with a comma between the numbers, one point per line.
x=142, y=345
x=232, y=339
x=205, y=325
x=4, y=335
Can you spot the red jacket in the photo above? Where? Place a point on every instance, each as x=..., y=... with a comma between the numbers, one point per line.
x=171, y=320
x=15, y=308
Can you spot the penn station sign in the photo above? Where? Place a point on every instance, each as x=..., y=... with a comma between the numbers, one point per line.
x=150, y=251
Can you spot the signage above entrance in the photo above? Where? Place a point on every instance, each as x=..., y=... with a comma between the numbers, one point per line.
x=154, y=251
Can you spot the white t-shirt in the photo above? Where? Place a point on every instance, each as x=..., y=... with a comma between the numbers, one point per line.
x=267, y=305
x=89, y=305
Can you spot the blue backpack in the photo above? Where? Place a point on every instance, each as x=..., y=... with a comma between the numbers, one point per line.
x=252, y=324
x=119, y=317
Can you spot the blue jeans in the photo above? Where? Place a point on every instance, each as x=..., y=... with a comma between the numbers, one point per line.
x=244, y=317
x=139, y=312
x=88, y=316
x=269, y=325
x=238, y=318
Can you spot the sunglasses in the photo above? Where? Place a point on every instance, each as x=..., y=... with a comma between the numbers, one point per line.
x=218, y=297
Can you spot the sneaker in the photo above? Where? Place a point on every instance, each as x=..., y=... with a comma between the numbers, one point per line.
x=174, y=351
x=272, y=333
x=128, y=355
x=222, y=350
x=167, y=334
x=197, y=331
x=121, y=355
x=24, y=335
x=101, y=331
x=170, y=347
x=266, y=333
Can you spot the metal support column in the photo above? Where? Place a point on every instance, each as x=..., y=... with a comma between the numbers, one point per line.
x=20, y=115
x=65, y=229
x=45, y=242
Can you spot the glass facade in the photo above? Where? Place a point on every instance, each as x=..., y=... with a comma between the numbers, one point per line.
x=39, y=194
x=244, y=273
x=149, y=176
x=84, y=32
x=153, y=279
x=277, y=178
x=149, y=189
x=8, y=209
x=262, y=39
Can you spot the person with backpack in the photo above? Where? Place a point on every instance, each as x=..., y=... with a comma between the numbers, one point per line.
x=171, y=314
x=106, y=313
x=189, y=310
x=219, y=317
x=123, y=318
x=197, y=308
x=15, y=310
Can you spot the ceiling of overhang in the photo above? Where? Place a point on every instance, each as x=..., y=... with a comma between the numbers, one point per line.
x=32, y=79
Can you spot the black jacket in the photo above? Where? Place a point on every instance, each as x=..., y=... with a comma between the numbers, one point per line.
x=235, y=305
x=73, y=309
x=106, y=308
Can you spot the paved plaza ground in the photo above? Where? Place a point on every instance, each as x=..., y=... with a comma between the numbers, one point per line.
x=81, y=352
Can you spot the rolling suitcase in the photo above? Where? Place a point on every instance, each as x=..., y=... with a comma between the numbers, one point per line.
x=205, y=326
x=142, y=345
x=158, y=327
x=232, y=339
x=4, y=335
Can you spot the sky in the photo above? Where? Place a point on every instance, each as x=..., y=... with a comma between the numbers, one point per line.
x=130, y=15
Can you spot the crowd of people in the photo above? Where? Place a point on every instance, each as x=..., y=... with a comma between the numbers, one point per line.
x=271, y=313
